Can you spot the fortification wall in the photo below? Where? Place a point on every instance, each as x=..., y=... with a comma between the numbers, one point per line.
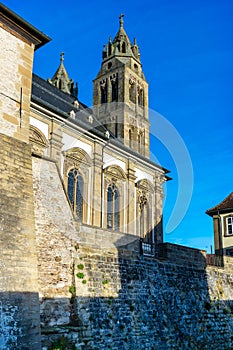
x=122, y=302
x=98, y=293
x=19, y=300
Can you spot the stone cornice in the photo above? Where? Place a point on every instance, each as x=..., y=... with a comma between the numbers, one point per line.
x=17, y=26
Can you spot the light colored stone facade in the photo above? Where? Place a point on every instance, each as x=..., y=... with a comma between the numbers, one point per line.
x=16, y=79
x=19, y=299
x=101, y=163
x=70, y=278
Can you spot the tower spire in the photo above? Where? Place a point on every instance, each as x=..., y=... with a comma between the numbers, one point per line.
x=61, y=79
x=121, y=20
x=62, y=57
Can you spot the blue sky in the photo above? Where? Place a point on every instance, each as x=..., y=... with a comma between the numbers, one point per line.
x=187, y=54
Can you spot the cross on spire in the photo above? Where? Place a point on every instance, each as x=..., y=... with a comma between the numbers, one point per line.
x=62, y=57
x=121, y=19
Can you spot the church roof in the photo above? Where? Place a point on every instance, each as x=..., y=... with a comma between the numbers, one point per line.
x=57, y=101
x=55, y=98
x=66, y=105
x=224, y=206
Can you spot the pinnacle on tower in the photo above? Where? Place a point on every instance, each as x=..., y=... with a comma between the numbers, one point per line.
x=61, y=79
x=121, y=45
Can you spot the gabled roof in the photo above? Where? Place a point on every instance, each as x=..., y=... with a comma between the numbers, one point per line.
x=223, y=207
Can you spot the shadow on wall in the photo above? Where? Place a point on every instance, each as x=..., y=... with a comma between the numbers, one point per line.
x=131, y=301
x=19, y=320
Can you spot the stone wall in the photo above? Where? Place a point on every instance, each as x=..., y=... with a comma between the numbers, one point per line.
x=120, y=301
x=98, y=292
x=15, y=85
x=19, y=300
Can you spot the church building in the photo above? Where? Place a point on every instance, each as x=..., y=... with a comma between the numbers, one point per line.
x=102, y=154
x=73, y=178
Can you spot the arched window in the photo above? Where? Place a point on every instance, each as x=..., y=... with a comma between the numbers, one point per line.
x=132, y=91
x=145, y=222
x=103, y=90
x=113, y=215
x=143, y=214
x=71, y=187
x=75, y=192
x=140, y=97
x=79, y=197
x=114, y=86
x=38, y=141
x=140, y=142
x=114, y=90
x=113, y=208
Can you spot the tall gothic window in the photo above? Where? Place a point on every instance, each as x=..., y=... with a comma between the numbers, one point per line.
x=104, y=91
x=143, y=214
x=140, y=142
x=113, y=208
x=75, y=192
x=145, y=222
x=140, y=97
x=132, y=91
x=114, y=83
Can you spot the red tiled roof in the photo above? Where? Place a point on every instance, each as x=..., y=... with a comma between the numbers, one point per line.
x=226, y=204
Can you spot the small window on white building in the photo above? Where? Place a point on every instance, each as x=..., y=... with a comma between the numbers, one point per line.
x=230, y=225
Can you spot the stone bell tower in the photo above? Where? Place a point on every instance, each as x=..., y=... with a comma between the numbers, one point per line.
x=120, y=98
